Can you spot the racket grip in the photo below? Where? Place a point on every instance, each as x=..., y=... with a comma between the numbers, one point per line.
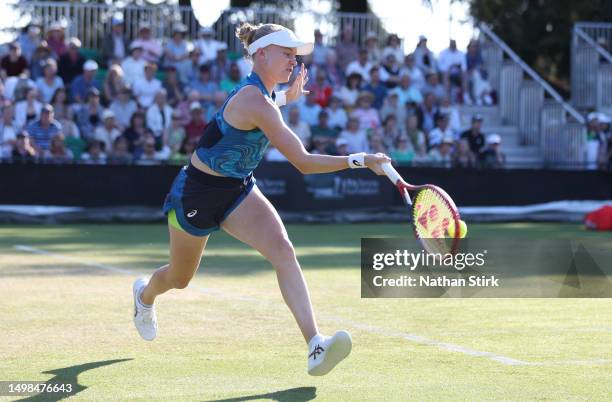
x=391, y=172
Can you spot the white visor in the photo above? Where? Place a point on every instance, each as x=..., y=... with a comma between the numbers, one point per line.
x=284, y=38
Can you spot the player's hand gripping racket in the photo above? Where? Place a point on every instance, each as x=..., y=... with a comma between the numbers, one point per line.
x=432, y=211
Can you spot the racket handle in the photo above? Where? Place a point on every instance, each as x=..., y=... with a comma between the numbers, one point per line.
x=391, y=173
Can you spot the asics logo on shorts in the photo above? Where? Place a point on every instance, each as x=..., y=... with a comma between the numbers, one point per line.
x=192, y=213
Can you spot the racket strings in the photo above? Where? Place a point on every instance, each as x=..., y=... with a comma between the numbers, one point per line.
x=432, y=216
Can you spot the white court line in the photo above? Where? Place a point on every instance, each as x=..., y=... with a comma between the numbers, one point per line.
x=449, y=347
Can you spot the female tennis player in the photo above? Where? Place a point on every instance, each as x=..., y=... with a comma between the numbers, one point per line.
x=217, y=189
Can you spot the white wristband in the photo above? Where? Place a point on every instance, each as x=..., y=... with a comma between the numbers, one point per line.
x=357, y=161
x=281, y=98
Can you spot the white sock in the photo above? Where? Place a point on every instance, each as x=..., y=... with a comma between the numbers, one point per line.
x=140, y=303
x=318, y=338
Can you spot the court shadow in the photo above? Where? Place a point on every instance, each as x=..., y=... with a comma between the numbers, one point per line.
x=68, y=375
x=301, y=394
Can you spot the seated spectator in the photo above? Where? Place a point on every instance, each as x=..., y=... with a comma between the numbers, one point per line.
x=189, y=70
x=452, y=65
x=440, y=131
x=133, y=66
x=492, y=157
x=57, y=152
x=392, y=106
x=206, y=87
x=406, y=92
x=365, y=113
x=159, y=118
x=115, y=43
x=473, y=56
x=337, y=115
x=95, y=154
x=151, y=47
x=176, y=50
x=231, y=80
x=390, y=131
x=49, y=83
x=56, y=38
x=207, y=46
x=433, y=86
x=402, y=152
x=319, y=52
x=14, y=63
x=149, y=155
x=220, y=66
x=123, y=107
x=42, y=130
x=474, y=136
x=346, y=47
x=72, y=135
x=29, y=40
x=356, y=138
x=120, y=154
x=89, y=115
x=8, y=131
x=482, y=90
x=173, y=87
x=417, y=78
x=390, y=71
x=298, y=126
x=211, y=110
x=176, y=133
x=107, y=132
x=322, y=132
x=196, y=125
x=376, y=87
x=453, y=116
x=144, y=89
x=15, y=88
x=394, y=46
x=28, y=110
x=350, y=91
x=423, y=57
x=342, y=147
x=360, y=66
x=83, y=83
x=71, y=64
x=185, y=106
x=309, y=110
x=135, y=133
x=375, y=55
x=113, y=84
x=441, y=155
x=23, y=151
x=333, y=71
x=463, y=156
x=321, y=88
x=42, y=53
x=377, y=144
x=183, y=155
x=415, y=135
x=59, y=101
x=426, y=113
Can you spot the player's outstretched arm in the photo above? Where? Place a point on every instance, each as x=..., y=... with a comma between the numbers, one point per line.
x=267, y=117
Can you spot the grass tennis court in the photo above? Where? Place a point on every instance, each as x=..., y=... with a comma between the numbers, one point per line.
x=68, y=316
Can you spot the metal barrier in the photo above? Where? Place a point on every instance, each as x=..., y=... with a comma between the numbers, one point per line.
x=90, y=22
x=591, y=63
x=543, y=117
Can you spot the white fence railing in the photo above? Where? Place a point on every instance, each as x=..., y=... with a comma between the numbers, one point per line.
x=591, y=74
x=529, y=102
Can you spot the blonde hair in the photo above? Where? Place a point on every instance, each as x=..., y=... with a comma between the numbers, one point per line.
x=249, y=33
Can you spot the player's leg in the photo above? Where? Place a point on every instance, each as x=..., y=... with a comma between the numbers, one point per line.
x=256, y=223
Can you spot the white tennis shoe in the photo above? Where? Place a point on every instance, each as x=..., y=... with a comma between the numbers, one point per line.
x=144, y=318
x=326, y=352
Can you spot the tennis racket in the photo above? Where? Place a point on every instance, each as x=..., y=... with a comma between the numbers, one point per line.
x=432, y=212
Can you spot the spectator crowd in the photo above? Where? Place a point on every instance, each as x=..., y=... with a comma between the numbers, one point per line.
x=147, y=101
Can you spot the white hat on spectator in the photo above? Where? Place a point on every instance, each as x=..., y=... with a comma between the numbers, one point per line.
x=33, y=29
x=55, y=26
x=603, y=118
x=593, y=116
x=341, y=141
x=371, y=35
x=195, y=106
x=493, y=139
x=206, y=31
x=221, y=46
x=108, y=114
x=117, y=19
x=74, y=42
x=90, y=65
x=448, y=140
x=144, y=25
x=180, y=28
x=135, y=45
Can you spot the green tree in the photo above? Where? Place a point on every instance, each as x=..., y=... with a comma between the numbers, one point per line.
x=539, y=31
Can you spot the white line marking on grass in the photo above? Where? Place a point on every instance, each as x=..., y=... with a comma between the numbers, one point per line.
x=449, y=347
